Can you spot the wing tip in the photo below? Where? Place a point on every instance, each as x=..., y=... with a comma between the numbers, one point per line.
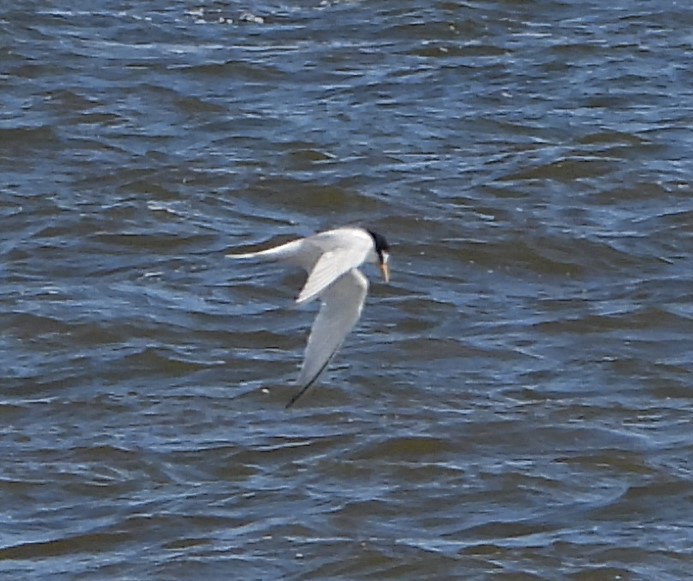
x=296, y=396
x=302, y=298
x=242, y=255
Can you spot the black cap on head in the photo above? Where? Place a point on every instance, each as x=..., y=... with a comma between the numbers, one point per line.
x=380, y=243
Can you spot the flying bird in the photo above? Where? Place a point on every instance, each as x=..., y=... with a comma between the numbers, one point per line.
x=332, y=261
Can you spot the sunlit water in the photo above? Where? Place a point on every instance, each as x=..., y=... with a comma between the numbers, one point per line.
x=515, y=404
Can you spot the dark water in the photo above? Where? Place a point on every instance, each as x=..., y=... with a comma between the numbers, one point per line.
x=515, y=405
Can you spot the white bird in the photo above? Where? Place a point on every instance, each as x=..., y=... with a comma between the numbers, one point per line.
x=331, y=260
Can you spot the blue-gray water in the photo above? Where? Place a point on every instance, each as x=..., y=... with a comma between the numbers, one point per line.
x=517, y=404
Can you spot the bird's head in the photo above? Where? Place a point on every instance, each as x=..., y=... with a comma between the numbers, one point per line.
x=382, y=253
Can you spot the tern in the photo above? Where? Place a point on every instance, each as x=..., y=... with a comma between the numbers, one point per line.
x=332, y=261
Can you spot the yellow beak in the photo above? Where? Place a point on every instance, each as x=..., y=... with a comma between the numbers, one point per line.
x=385, y=269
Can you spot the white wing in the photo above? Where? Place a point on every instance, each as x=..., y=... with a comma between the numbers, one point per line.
x=297, y=253
x=343, y=249
x=325, y=256
x=329, y=267
x=341, y=307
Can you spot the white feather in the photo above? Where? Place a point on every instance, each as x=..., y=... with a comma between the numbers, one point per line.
x=331, y=259
x=340, y=309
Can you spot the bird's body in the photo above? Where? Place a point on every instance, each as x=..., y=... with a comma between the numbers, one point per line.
x=331, y=260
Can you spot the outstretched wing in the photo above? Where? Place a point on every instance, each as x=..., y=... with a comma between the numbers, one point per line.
x=341, y=307
x=329, y=267
x=348, y=253
x=297, y=253
x=325, y=256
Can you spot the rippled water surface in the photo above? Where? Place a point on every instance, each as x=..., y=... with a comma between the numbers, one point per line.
x=516, y=404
